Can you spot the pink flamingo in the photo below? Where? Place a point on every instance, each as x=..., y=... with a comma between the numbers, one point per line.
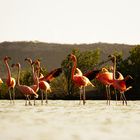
x=50, y=76
x=121, y=84
x=44, y=81
x=106, y=77
x=79, y=80
x=43, y=85
x=11, y=82
x=1, y=81
x=26, y=90
x=35, y=87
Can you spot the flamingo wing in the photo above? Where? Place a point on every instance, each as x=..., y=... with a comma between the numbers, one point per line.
x=81, y=80
x=91, y=74
x=50, y=76
x=105, y=78
x=26, y=90
x=1, y=81
x=44, y=85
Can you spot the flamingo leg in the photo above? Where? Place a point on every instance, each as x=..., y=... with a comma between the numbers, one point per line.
x=34, y=100
x=106, y=93
x=28, y=97
x=13, y=90
x=115, y=95
x=84, y=96
x=26, y=100
x=80, y=95
x=42, y=97
x=9, y=90
x=124, y=98
x=109, y=96
x=46, y=97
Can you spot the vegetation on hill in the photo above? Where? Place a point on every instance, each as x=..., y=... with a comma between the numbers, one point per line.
x=88, y=55
x=50, y=54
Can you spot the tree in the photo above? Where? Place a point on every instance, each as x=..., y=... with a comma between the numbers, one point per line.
x=85, y=61
x=131, y=66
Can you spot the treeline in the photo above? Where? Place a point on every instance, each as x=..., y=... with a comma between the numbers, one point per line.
x=63, y=88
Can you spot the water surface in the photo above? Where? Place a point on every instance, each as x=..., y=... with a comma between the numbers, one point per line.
x=67, y=120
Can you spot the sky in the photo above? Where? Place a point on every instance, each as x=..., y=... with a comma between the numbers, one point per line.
x=70, y=21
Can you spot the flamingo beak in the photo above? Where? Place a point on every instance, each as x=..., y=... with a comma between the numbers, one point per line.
x=32, y=63
x=28, y=59
x=12, y=65
x=9, y=58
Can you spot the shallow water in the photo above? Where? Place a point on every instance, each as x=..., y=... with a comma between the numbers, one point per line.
x=67, y=120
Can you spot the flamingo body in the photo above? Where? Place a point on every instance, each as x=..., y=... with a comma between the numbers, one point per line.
x=43, y=85
x=35, y=87
x=11, y=82
x=119, y=85
x=81, y=81
x=78, y=78
x=26, y=90
x=1, y=81
x=105, y=78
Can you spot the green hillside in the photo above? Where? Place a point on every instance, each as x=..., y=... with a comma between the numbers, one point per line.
x=52, y=54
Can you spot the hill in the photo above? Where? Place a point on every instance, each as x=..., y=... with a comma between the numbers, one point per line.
x=52, y=54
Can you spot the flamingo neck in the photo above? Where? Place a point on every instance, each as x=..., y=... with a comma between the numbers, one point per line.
x=33, y=73
x=78, y=72
x=114, y=69
x=18, y=76
x=74, y=67
x=8, y=69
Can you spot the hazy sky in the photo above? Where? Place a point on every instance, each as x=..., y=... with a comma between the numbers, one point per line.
x=70, y=21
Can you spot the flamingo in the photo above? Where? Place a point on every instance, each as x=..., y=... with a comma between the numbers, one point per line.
x=106, y=77
x=44, y=81
x=11, y=82
x=1, y=81
x=121, y=84
x=78, y=72
x=35, y=87
x=26, y=90
x=43, y=85
x=50, y=76
x=79, y=80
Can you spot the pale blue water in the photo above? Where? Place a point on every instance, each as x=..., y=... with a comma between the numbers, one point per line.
x=67, y=120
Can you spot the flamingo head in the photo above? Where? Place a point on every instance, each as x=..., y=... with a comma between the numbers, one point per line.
x=36, y=62
x=36, y=96
x=104, y=69
x=112, y=57
x=6, y=58
x=28, y=60
x=16, y=65
x=129, y=80
x=78, y=71
x=72, y=57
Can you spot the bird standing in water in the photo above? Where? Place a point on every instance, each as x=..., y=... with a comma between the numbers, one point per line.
x=26, y=90
x=79, y=80
x=121, y=84
x=10, y=81
x=44, y=81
